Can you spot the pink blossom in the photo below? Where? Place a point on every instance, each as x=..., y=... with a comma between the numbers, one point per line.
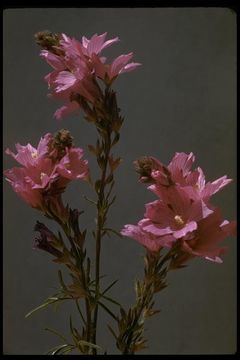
x=44, y=173
x=118, y=66
x=183, y=214
x=67, y=109
x=179, y=173
x=204, y=242
x=150, y=241
x=72, y=166
x=29, y=155
x=96, y=44
x=177, y=215
x=56, y=61
x=17, y=178
x=76, y=65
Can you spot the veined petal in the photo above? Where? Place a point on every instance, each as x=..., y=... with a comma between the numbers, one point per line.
x=129, y=67
x=64, y=80
x=66, y=110
x=119, y=63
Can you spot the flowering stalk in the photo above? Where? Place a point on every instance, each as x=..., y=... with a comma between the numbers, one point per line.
x=182, y=219
x=105, y=115
x=130, y=337
x=79, y=71
x=76, y=240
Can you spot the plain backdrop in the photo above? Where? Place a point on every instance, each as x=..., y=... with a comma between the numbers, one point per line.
x=182, y=98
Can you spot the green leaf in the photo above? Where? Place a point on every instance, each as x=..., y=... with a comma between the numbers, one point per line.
x=42, y=306
x=113, y=231
x=98, y=185
x=109, y=179
x=86, y=343
x=80, y=312
x=89, y=200
x=61, y=280
x=71, y=325
x=57, y=349
x=92, y=149
x=109, y=287
x=111, y=330
x=56, y=333
x=68, y=350
x=116, y=138
x=108, y=310
x=110, y=299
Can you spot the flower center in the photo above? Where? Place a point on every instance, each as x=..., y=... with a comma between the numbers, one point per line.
x=42, y=175
x=179, y=220
x=34, y=154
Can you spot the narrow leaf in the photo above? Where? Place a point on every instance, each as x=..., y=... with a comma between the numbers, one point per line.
x=56, y=333
x=108, y=311
x=111, y=330
x=86, y=343
x=110, y=299
x=113, y=231
x=89, y=200
x=92, y=149
x=109, y=287
x=42, y=306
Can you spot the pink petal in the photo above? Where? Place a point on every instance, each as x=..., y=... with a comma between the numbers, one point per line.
x=64, y=80
x=215, y=186
x=66, y=110
x=188, y=228
x=72, y=166
x=119, y=63
x=129, y=67
x=53, y=60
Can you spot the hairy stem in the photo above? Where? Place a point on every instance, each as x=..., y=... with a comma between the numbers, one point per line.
x=79, y=262
x=101, y=217
x=153, y=282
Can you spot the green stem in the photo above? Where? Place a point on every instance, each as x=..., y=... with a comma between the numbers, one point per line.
x=79, y=262
x=148, y=284
x=101, y=216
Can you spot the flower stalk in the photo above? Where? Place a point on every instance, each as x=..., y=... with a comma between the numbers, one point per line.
x=105, y=115
x=130, y=338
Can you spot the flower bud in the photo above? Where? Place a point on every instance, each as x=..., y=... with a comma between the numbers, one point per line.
x=153, y=171
x=47, y=241
x=47, y=40
x=144, y=167
x=60, y=142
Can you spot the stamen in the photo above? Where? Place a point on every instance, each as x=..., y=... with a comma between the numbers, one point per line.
x=34, y=154
x=179, y=220
x=42, y=175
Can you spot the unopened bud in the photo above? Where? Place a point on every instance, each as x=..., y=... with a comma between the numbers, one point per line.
x=46, y=241
x=47, y=40
x=152, y=170
x=144, y=167
x=60, y=142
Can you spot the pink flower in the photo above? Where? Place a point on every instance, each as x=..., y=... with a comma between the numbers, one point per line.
x=47, y=170
x=75, y=68
x=28, y=155
x=17, y=178
x=96, y=44
x=118, y=66
x=67, y=109
x=72, y=166
x=178, y=217
x=179, y=172
x=204, y=242
x=183, y=214
x=150, y=241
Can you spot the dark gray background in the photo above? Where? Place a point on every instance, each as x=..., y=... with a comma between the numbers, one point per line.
x=183, y=98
